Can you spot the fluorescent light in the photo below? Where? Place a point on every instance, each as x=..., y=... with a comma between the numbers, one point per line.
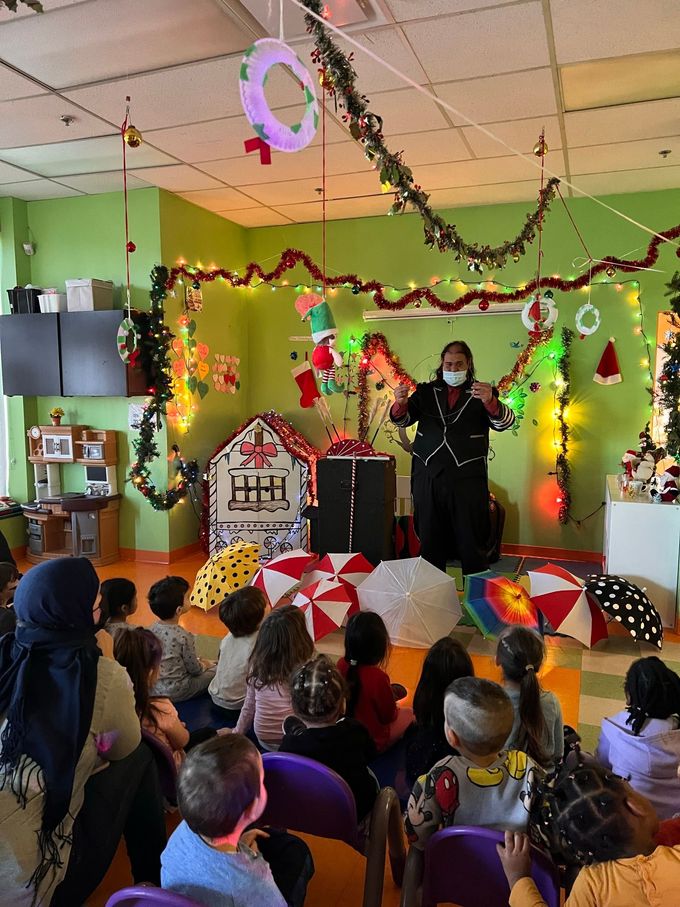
x=495, y=308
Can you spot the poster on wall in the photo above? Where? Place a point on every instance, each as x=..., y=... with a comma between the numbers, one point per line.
x=257, y=489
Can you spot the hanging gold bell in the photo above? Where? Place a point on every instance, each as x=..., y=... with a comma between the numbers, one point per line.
x=132, y=137
x=541, y=147
x=610, y=271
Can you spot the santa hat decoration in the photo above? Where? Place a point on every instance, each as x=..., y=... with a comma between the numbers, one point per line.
x=608, y=371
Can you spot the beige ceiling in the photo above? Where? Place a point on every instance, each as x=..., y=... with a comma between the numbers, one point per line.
x=506, y=64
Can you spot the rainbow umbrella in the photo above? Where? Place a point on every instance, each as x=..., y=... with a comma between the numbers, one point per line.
x=495, y=602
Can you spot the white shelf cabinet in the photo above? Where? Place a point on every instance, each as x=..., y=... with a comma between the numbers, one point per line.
x=642, y=544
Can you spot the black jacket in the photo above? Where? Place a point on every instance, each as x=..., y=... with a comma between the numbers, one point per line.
x=457, y=438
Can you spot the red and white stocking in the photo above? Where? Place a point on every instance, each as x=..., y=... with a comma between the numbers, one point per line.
x=305, y=380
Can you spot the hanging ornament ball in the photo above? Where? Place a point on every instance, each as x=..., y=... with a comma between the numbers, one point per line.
x=515, y=257
x=293, y=355
x=196, y=285
x=484, y=305
x=610, y=271
x=549, y=294
x=132, y=137
x=356, y=289
x=131, y=247
x=541, y=148
x=535, y=387
x=380, y=385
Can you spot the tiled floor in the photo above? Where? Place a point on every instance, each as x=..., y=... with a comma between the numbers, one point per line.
x=589, y=685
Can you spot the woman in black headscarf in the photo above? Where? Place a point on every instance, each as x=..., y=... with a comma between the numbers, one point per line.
x=65, y=714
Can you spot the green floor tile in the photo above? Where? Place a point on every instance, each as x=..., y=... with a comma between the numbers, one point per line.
x=603, y=686
x=589, y=736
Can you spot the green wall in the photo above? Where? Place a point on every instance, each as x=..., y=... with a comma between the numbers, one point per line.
x=83, y=236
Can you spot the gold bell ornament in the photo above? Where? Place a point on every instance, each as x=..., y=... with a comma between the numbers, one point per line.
x=541, y=147
x=132, y=137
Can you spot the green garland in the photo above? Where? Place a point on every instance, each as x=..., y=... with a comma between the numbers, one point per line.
x=669, y=380
x=11, y=5
x=338, y=77
x=157, y=343
x=563, y=394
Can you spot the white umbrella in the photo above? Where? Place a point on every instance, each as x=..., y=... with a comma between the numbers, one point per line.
x=417, y=601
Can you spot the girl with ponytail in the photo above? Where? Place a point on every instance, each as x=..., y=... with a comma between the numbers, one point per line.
x=538, y=728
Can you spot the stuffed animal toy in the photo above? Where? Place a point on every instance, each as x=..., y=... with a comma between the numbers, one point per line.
x=325, y=357
x=665, y=487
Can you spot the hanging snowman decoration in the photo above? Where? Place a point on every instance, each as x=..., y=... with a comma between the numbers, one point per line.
x=540, y=313
x=325, y=358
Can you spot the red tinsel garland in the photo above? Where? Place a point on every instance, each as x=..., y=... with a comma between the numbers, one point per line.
x=291, y=258
x=296, y=445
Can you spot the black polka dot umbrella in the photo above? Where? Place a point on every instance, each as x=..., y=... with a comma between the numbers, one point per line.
x=627, y=604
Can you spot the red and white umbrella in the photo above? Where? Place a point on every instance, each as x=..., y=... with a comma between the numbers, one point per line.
x=325, y=605
x=349, y=569
x=561, y=596
x=281, y=574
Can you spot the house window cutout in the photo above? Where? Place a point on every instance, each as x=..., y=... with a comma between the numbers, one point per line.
x=254, y=490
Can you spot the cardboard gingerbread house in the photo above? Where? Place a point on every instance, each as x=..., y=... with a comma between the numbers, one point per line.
x=258, y=484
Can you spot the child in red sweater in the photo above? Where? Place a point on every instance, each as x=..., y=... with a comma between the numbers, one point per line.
x=372, y=698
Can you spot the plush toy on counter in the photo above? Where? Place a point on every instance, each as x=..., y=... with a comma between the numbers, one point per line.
x=325, y=357
x=665, y=487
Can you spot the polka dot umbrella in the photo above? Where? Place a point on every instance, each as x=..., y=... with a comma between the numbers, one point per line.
x=223, y=573
x=627, y=604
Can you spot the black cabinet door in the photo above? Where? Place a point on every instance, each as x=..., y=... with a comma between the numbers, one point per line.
x=90, y=364
x=29, y=351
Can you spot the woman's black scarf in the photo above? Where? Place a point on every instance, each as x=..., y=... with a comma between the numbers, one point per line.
x=48, y=680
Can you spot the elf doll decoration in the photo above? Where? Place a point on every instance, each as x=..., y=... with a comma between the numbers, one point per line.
x=325, y=357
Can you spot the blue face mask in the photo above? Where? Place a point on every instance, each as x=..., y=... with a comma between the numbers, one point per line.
x=454, y=379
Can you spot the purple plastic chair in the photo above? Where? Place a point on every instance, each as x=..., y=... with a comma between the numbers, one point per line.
x=165, y=763
x=138, y=896
x=306, y=796
x=462, y=867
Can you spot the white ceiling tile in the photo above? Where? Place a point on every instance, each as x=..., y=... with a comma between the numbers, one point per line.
x=484, y=195
x=36, y=189
x=220, y=199
x=430, y=147
x=342, y=13
x=585, y=30
x=407, y=10
x=521, y=135
x=83, y=156
x=96, y=183
x=13, y=85
x=9, y=174
x=304, y=190
x=365, y=206
x=626, y=122
x=255, y=217
x=88, y=42
x=346, y=157
x=496, y=98
x=624, y=156
x=177, y=178
x=483, y=172
x=407, y=110
x=646, y=180
x=481, y=43
x=32, y=121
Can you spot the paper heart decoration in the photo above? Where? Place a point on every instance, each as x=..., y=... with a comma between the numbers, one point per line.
x=203, y=369
x=202, y=350
x=192, y=365
x=178, y=347
x=179, y=367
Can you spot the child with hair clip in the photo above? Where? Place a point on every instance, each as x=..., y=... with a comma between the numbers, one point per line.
x=372, y=698
x=537, y=729
x=591, y=818
x=426, y=741
x=283, y=644
x=320, y=730
x=118, y=602
x=642, y=742
x=139, y=651
x=183, y=674
x=242, y=612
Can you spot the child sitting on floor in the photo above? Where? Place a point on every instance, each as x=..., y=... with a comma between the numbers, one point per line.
x=595, y=819
x=183, y=674
x=320, y=731
x=214, y=856
x=426, y=741
x=483, y=785
x=118, y=602
x=537, y=729
x=9, y=580
x=242, y=612
x=140, y=653
x=642, y=742
x=371, y=696
x=282, y=645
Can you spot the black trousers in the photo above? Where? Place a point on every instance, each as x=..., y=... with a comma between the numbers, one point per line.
x=290, y=861
x=124, y=799
x=452, y=517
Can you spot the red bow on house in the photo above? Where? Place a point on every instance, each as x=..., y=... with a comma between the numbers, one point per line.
x=258, y=453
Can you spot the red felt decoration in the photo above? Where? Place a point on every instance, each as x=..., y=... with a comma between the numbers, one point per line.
x=258, y=144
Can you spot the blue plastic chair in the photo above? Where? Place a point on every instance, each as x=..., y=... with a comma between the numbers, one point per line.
x=138, y=896
x=308, y=797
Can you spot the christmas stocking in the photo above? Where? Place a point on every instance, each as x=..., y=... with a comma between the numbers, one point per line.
x=305, y=380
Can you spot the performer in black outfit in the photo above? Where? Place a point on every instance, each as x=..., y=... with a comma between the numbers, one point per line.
x=449, y=473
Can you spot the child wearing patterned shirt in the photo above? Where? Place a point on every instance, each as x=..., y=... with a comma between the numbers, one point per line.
x=482, y=786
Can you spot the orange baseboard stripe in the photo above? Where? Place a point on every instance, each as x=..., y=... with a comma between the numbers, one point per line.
x=141, y=556
x=19, y=553
x=552, y=554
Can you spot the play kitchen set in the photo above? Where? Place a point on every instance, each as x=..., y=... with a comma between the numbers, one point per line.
x=83, y=294
x=80, y=524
